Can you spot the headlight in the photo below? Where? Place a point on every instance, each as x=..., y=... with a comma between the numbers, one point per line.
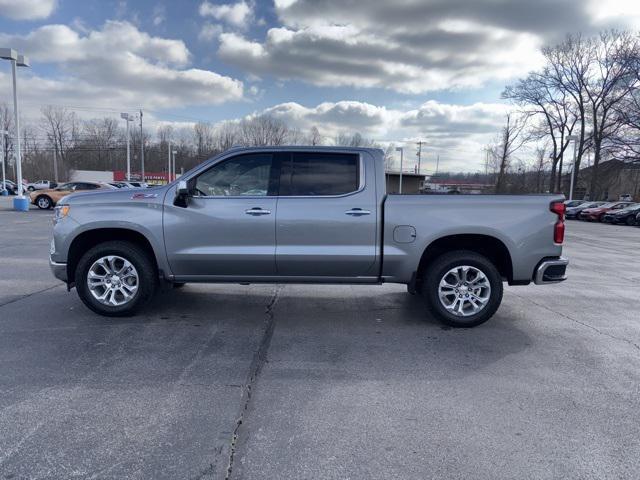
x=60, y=212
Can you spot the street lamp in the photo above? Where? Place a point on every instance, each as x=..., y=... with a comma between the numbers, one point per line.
x=128, y=118
x=401, y=150
x=19, y=202
x=575, y=139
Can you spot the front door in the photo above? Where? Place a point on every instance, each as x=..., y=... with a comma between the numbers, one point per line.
x=326, y=220
x=228, y=226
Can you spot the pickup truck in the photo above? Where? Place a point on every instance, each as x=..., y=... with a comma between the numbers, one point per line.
x=305, y=215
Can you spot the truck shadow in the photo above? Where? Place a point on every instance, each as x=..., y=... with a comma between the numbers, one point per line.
x=344, y=331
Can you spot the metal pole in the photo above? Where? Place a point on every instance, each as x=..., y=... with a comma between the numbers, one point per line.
x=141, y=146
x=169, y=162
x=17, y=125
x=4, y=178
x=55, y=165
x=128, y=154
x=401, y=160
x=573, y=170
x=173, y=168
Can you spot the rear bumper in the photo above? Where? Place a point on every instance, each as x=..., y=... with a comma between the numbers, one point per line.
x=551, y=270
x=59, y=270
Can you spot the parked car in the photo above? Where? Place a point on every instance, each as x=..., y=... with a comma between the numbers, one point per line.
x=638, y=219
x=626, y=215
x=41, y=185
x=11, y=187
x=573, y=212
x=573, y=203
x=335, y=224
x=122, y=184
x=596, y=214
x=46, y=199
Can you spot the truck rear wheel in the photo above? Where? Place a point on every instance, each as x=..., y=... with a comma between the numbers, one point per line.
x=462, y=288
x=115, y=278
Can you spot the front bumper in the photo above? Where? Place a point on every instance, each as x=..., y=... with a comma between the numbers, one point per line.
x=551, y=270
x=59, y=270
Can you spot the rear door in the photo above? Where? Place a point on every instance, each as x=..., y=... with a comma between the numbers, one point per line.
x=326, y=217
x=228, y=226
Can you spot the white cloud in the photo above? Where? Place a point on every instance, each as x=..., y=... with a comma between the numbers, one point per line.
x=118, y=65
x=237, y=14
x=410, y=46
x=27, y=9
x=457, y=133
x=159, y=15
x=209, y=31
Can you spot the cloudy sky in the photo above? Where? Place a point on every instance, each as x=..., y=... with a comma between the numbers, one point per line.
x=394, y=71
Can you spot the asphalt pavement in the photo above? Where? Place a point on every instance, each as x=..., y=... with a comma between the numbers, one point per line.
x=321, y=382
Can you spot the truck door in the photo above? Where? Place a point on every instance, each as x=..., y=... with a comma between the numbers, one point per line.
x=228, y=226
x=326, y=219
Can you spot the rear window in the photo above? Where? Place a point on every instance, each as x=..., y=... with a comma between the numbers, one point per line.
x=319, y=174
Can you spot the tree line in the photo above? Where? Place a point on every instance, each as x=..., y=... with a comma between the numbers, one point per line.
x=60, y=141
x=586, y=95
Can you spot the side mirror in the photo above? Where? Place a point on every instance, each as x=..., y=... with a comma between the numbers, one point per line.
x=182, y=194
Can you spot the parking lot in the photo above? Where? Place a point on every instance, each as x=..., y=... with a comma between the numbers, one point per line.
x=336, y=382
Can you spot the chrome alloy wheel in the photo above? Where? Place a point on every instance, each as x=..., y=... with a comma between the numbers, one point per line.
x=44, y=203
x=464, y=291
x=112, y=280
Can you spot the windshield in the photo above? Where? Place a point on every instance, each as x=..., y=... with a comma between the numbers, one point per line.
x=64, y=186
x=630, y=208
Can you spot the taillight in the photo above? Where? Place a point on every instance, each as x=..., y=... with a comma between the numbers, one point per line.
x=558, y=231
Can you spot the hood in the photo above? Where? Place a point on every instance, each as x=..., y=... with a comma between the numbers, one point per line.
x=123, y=195
x=594, y=210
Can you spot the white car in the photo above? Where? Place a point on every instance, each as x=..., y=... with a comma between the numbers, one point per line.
x=41, y=185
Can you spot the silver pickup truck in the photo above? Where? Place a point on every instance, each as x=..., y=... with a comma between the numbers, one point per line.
x=305, y=215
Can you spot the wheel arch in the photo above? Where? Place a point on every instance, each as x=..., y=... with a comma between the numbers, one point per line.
x=489, y=246
x=90, y=238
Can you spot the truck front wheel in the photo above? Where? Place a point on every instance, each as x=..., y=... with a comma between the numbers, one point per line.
x=115, y=278
x=462, y=288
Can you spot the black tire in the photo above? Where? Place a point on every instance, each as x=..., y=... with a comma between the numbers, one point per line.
x=437, y=270
x=43, y=202
x=147, y=277
x=31, y=189
x=178, y=284
x=631, y=221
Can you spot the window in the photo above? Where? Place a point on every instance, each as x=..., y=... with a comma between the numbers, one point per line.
x=313, y=174
x=86, y=186
x=242, y=175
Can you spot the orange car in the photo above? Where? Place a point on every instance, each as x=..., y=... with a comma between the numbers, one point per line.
x=45, y=199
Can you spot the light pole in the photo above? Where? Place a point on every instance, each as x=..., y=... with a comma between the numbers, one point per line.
x=3, y=191
x=169, y=161
x=20, y=202
x=141, y=147
x=175, y=152
x=575, y=139
x=128, y=118
x=401, y=150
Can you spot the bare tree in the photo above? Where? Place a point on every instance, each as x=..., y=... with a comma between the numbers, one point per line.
x=315, y=138
x=613, y=78
x=538, y=95
x=512, y=137
x=203, y=134
x=263, y=130
x=59, y=125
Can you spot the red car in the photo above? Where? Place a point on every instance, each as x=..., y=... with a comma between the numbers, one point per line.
x=596, y=214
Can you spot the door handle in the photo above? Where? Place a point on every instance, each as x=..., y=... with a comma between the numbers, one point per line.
x=257, y=211
x=356, y=212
